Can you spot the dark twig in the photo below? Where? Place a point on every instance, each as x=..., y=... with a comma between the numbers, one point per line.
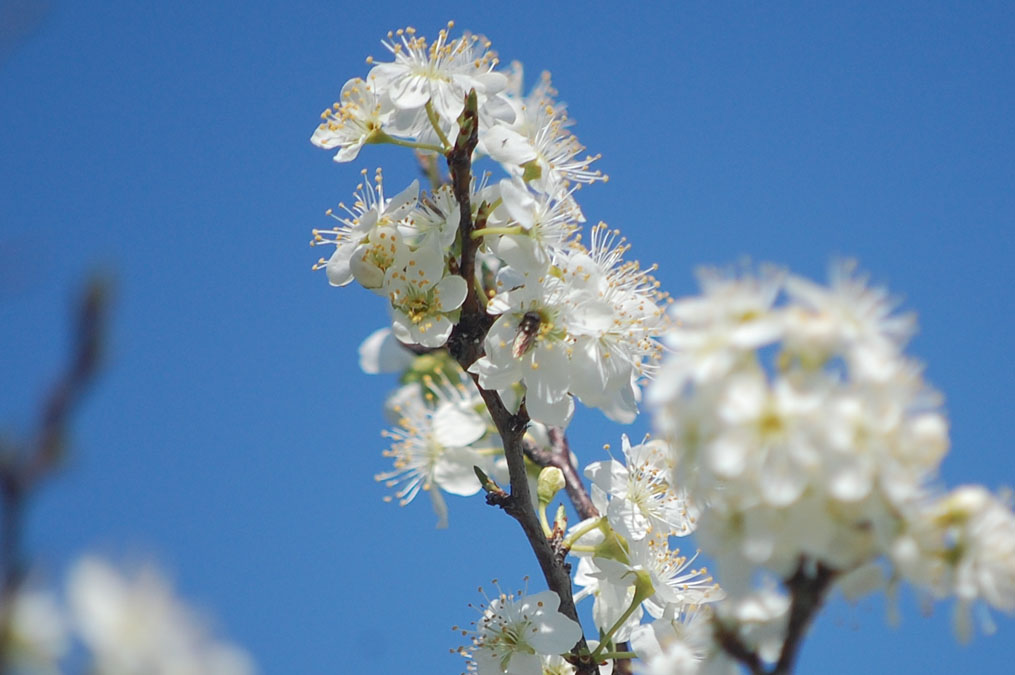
x=466, y=345
x=808, y=587
x=23, y=467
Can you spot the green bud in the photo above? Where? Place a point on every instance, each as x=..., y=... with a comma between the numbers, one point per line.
x=488, y=484
x=551, y=481
x=560, y=520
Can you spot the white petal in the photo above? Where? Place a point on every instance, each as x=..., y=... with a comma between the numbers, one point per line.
x=451, y=290
x=381, y=353
x=455, y=427
x=368, y=274
x=553, y=413
x=455, y=474
x=436, y=334
x=338, y=270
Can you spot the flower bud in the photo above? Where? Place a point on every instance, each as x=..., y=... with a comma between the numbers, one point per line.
x=551, y=480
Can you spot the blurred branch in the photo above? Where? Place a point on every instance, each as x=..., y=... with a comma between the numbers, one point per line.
x=808, y=589
x=431, y=170
x=23, y=466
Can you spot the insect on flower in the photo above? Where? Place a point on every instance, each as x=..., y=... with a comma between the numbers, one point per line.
x=528, y=328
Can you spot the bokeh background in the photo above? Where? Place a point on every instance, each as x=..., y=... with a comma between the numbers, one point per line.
x=232, y=436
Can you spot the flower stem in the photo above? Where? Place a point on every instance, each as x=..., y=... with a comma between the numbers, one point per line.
x=516, y=229
x=597, y=655
x=643, y=590
x=547, y=530
x=414, y=144
x=581, y=532
x=431, y=115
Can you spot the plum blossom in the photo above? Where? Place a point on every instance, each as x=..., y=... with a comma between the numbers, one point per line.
x=516, y=631
x=441, y=72
x=529, y=343
x=370, y=214
x=38, y=635
x=963, y=545
x=359, y=118
x=434, y=446
x=539, y=148
x=617, y=318
x=641, y=498
x=424, y=298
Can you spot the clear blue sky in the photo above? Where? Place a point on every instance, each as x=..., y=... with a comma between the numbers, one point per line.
x=233, y=436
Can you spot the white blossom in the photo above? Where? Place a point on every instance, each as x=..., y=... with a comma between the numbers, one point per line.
x=516, y=631
x=360, y=117
x=800, y=448
x=441, y=72
x=38, y=634
x=616, y=318
x=538, y=146
x=352, y=238
x=642, y=499
x=434, y=442
x=963, y=545
x=528, y=343
x=133, y=625
x=681, y=643
x=424, y=298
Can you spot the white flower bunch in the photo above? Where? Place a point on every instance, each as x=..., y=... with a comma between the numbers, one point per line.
x=794, y=434
x=127, y=624
x=573, y=320
x=795, y=416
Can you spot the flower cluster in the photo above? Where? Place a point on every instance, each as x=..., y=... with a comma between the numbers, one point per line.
x=129, y=624
x=573, y=320
x=578, y=321
x=795, y=416
x=626, y=562
x=795, y=436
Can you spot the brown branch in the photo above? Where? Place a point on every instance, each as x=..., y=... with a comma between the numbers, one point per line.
x=808, y=589
x=466, y=345
x=460, y=167
x=730, y=642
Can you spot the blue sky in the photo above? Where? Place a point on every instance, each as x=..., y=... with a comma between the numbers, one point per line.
x=232, y=436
